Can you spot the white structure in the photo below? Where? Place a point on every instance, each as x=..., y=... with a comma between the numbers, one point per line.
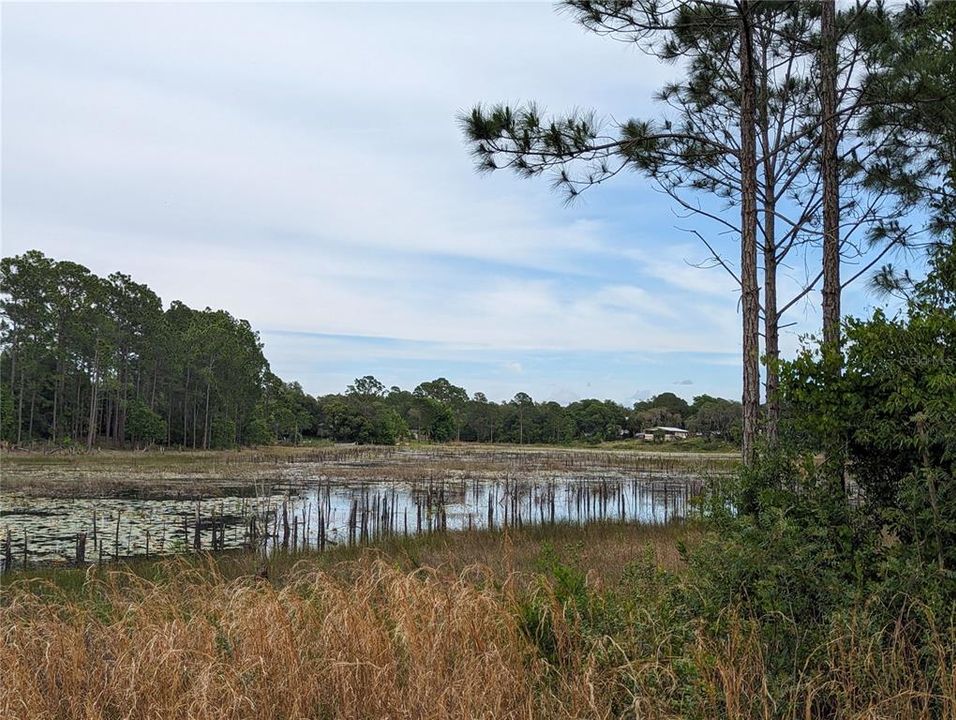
x=669, y=433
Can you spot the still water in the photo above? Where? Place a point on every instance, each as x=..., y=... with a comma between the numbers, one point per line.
x=323, y=513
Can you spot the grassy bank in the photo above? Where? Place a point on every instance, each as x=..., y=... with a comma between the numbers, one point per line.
x=548, y=622
x=605, y=549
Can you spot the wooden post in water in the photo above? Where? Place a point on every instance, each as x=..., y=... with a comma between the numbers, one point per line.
x=25, y=550
x=80, y=548
x=285, y=524
x=8, y=553
x=306, y=523
x=116, y=536
x=197, y=538
x=253, y=532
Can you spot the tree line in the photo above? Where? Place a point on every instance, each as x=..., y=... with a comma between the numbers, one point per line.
x=438, y=410
x=90, y=361
x=803, y=132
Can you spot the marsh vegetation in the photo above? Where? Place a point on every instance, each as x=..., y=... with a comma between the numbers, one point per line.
x=604, y=620
x=122, y=505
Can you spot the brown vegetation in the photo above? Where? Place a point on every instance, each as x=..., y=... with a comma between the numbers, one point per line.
x=212, y=473
x=468, y=625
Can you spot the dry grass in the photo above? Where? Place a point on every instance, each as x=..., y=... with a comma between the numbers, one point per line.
x=417, y=628
x=604, y=549
x=862, y=672
x=384, y=644
x=437, y=628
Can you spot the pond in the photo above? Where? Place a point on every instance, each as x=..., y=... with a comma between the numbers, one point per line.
x=319, y=510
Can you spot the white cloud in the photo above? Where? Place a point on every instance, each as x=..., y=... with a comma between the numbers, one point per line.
x=301, y=167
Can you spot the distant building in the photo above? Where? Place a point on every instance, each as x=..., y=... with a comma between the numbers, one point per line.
x=669, y=433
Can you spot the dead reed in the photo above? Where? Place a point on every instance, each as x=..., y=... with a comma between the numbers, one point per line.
x=383, y=644
x=417, y=629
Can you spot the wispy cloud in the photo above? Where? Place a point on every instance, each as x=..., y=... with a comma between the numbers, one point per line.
x=300, y=165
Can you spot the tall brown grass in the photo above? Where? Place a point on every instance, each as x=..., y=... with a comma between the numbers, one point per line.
x=366, y=638
x=384, y=643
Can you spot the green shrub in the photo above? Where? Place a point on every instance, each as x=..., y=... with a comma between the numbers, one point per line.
x=222, y=434
x=257, y=433
x=143, y=425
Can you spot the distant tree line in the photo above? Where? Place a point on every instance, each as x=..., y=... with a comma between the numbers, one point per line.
x=439, y=411
x=90, y=361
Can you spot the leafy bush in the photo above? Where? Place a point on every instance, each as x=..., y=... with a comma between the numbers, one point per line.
x=8, y=420
x=892, y=410
x=806, y=553
x=144, y=425
x=257, y=432
x=222, y=434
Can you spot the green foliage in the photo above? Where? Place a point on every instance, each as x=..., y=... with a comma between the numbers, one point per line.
x=562, y=600
x=77, y=347
x=103, y=348
x=257, y=432
x=799, y=542
x=389, y=427
x=288, y=411
x=366, y=386
x=911, y=110
x=439, y=420
x=667, y=402
x=222, y=434
x=597, y=421
x=894, y=407
x=143, y=425
x=362, y=418
x=715, y=418
x=8, y=420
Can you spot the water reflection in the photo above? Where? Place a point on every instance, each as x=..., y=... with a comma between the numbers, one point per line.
x=322, y=513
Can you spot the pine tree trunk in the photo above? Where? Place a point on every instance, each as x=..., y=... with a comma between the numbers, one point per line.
x=33, y=401
x=185, y=403
x=830, y=178
x=119, y=424
x=152, y=394
x=58, y=380
x=748, y=240
x=75, y=435
x=771, y=321
x=169, y=415
x=205, y=430
x=20, y=411
x=109, y=415
x=13, y=362
x=92, y=428
x=771, y=332
x=834, y=445
x=56, y=398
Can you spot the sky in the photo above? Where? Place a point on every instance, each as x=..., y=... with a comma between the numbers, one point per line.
x=300, y=165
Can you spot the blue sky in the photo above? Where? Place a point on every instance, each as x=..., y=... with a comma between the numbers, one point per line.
x=301, y=167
